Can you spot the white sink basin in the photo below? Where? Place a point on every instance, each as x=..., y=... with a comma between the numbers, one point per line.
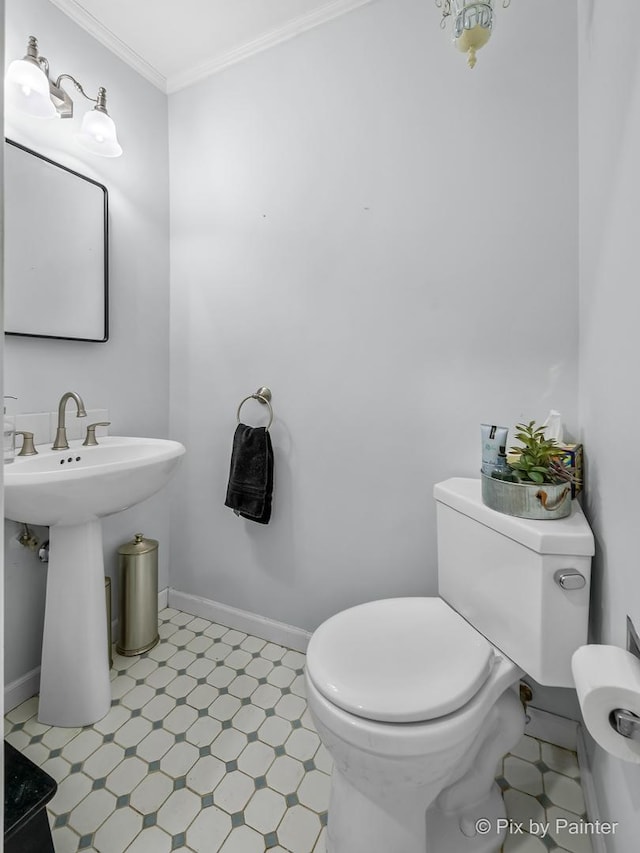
x=70, y=491
x=85, y=483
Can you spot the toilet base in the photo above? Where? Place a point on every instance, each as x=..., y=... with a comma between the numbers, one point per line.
x=378, y=802
x=444, y=831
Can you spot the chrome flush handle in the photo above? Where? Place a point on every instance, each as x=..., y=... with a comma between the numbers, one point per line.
x=569, y=579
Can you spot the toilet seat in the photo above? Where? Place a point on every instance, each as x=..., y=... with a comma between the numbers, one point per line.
x=399, y=660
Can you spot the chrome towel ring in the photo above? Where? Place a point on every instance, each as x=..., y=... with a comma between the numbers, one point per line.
x=262, y=395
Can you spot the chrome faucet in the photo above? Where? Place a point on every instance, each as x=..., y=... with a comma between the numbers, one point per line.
x=61, y=442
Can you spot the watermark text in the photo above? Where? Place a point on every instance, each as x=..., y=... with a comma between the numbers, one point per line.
x=543, y=829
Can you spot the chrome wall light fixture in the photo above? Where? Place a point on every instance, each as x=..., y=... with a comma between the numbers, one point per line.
x=29, y=90
x=472, y=23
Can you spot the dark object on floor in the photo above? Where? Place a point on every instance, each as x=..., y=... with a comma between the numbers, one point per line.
x=27, y=790
x=251, y=475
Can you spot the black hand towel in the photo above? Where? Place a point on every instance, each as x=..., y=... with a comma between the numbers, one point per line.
x=251, y=475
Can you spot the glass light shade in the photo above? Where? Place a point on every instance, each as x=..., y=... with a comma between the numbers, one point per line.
x=27, y=89
x=98, y=134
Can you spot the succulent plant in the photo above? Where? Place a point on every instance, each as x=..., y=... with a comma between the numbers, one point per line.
x=539, y=459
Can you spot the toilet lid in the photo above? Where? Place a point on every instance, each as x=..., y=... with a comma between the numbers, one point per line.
x=399, y=660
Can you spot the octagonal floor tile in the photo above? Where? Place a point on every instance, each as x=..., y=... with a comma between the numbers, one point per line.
x=209, y=830
x=178, y=811
x=264, y=810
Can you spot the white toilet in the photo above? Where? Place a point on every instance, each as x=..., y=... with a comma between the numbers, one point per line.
x=416, y=698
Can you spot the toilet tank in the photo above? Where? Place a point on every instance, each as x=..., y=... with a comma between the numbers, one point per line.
x=501, y=574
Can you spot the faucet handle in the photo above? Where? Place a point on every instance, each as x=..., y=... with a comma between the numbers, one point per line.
x=91, y=440
x=27, y=448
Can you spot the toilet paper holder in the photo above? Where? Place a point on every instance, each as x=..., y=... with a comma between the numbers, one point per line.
x=625, y=722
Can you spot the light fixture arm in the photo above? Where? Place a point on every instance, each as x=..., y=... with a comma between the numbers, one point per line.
x=76, y=84
x=64, y=104
x=445, y=5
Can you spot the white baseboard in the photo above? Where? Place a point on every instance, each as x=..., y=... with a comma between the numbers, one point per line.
x=163, y=598
x=21, y=689
x=552, y=728
x=242, y=620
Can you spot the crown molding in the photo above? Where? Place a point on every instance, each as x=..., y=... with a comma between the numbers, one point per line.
x=110, y=40
x=292, y=28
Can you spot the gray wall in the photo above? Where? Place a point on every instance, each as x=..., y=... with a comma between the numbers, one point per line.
x=389, y=241
x=129, y=375
x=610, y=350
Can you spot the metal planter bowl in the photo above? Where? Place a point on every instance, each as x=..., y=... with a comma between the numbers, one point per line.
x=527, y=500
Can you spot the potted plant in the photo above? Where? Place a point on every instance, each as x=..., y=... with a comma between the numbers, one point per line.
x=535, y=482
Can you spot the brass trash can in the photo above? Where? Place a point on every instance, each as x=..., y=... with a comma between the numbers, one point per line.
x=138, y=596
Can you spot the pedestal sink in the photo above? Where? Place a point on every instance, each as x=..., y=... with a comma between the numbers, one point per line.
x=70, y=491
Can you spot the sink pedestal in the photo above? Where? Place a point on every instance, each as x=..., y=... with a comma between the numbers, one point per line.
x=75, y=689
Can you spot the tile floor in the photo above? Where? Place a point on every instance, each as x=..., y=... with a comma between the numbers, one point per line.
x=209, y=747
x=541, y=783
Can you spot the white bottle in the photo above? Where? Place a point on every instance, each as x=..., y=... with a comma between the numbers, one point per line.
x=553, y=426
x=9, y=441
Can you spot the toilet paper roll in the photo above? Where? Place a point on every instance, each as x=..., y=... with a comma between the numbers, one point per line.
x=608, y=678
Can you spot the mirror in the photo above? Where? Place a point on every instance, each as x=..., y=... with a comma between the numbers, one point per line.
x=56, y=249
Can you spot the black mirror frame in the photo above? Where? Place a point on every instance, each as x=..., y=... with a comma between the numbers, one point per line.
x=105, y=338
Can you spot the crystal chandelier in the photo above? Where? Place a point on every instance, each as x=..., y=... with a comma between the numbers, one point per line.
x=472, y=23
